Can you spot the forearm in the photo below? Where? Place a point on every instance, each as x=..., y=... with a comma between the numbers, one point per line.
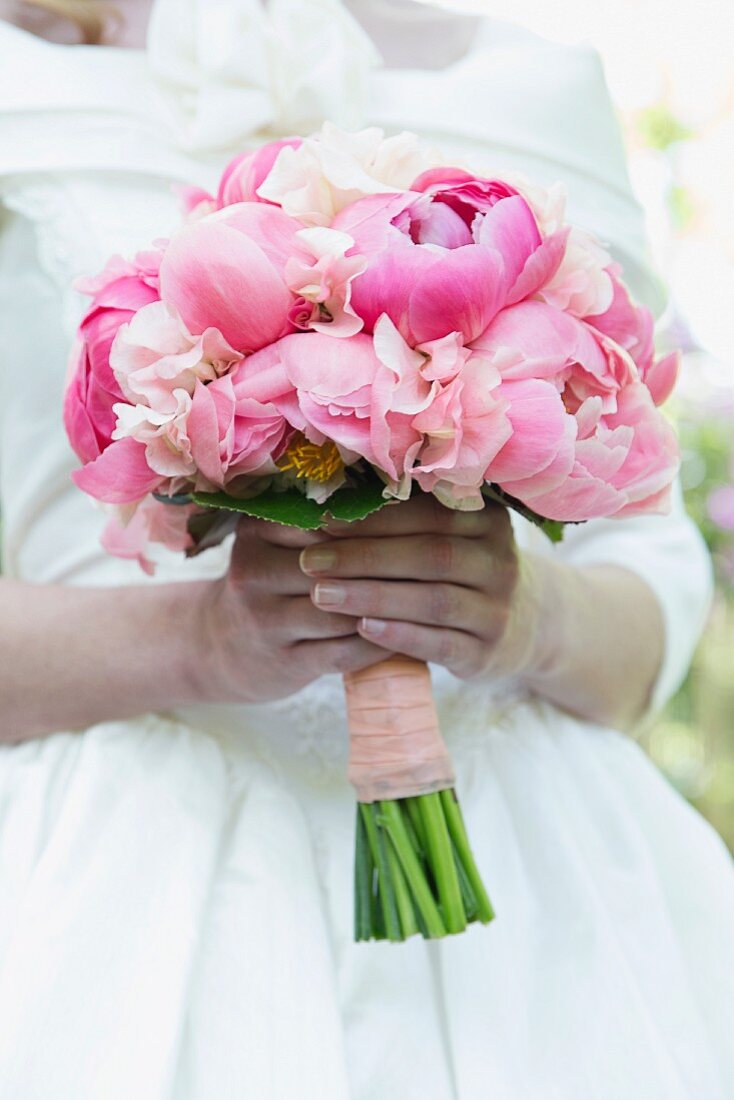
x=70, y=657
x=598, y=639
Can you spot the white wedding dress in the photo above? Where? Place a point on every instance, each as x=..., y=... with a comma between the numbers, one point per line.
x=176, y=890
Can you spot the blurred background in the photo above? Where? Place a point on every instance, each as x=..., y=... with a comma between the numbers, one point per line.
x=670, y=73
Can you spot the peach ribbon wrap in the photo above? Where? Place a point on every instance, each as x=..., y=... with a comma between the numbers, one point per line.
x=396, y=749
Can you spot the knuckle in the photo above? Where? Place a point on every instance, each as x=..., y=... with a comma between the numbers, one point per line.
x=442, y=604
x=447, y=647
x=368, y=556
x=371, y=598
x=442, y=555
x=342, y=656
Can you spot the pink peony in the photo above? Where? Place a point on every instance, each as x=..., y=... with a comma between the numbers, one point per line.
x=581, y=283
x=154, y=355
x=329, y=389
x=427, y=291
x=534, y=340
x=232, y=433
x=227, y=271
x=631, y=326
x=243, y=176
x=459, y=205
x=323, y=284
x=587, y=440
x=463, y=428
x=120, y=474
x=447, y=258
x=118, y=291
x=128, y=534
x=327, y=171
x=164, y=435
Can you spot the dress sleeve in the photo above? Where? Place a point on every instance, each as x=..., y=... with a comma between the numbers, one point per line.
x=669, y=554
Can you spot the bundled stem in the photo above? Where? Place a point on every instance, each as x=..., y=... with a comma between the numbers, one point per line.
x=414, y=870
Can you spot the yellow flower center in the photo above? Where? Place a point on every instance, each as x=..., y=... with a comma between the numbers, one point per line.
x=317, y=462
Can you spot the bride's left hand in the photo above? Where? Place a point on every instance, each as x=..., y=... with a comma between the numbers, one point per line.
x=438, y=585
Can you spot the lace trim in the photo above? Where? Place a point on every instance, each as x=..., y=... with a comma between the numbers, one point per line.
x=305, y=735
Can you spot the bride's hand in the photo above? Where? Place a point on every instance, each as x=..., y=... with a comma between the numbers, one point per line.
x=442, y=586
x=263, y=638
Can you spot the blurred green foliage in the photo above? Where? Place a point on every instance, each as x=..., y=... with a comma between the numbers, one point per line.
x=692, y=741
x=659, y=128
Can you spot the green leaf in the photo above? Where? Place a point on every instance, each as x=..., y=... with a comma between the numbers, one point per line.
x=356, y=502
x=290, y=508
x=553, y=528
x=293, y=509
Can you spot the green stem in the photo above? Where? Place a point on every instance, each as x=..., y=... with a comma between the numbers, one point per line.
x=457, y=829
x=403, y=899
x=363, y=883
x=415, y=841
x=467, y=893
x=376, y=840
x=442, y=862
x=424, y=901
x=414, y=810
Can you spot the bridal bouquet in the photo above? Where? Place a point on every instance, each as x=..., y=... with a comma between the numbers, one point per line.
x=348, y=321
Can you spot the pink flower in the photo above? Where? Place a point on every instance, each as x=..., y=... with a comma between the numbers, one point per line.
x=628, y=324
x=535, y=340
x=458, y=214
x=428, y=292
x=119, y=475
x=581, y=283
x=587, y=440
x=342, y=391
x=463, y=194
x=325, y=281
x=243, y=176
x=154, y=355
x=195, y=202
x=231, y=433
x=128, y=535
x=226, y=271
x=540, y=453
x=163, y=434
x=316, y=179
x=118, y=291
x=463, y=428
x=631, y=326
x=653, y=459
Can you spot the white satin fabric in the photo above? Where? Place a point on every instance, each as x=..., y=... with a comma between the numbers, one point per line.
x=175, y=891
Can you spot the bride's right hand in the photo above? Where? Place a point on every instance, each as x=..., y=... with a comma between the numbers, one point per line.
x=262, y=636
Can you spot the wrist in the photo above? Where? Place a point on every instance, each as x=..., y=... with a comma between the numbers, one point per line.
x=527, y=649
x=183, y=613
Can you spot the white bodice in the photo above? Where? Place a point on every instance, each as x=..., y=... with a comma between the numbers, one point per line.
x=90, y=148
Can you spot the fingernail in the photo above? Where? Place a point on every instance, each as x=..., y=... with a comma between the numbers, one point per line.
x=317, y=559
x=329, y=595
x=373, y=626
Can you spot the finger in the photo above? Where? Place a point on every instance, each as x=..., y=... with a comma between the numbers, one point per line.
x=337, y=655
x=422, y=514
x=448, y=605
x=463, y=654
x=297, y=619
x=278, y=534
x=269, y=568
x=408, y=557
